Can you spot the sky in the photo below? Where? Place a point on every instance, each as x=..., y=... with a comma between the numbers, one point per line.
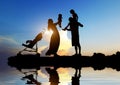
x=21, y=20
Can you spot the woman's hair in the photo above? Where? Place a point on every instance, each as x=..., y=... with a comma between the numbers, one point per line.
x=50, y=21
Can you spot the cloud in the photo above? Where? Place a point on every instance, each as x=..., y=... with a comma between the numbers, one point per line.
x=41, y=74
x=8, y=47
x=65, y=43
x=43, y=50
x=65, y=75
x=7, y=39
x=47, y=35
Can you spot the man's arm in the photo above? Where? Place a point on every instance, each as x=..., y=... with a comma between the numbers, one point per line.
x=81, y=25
x=66, y=27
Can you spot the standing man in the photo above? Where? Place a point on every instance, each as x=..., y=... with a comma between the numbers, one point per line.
x=74, y=25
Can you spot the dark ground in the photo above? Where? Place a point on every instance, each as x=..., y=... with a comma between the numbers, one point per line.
x=98, y=61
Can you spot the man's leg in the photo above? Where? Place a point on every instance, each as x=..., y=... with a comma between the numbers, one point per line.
x=79, y=47
x=76, y=49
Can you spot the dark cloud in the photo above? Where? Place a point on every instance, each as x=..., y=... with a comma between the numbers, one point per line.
x=8, y=47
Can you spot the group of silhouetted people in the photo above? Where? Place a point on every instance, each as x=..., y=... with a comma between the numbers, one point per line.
x=54, y=77
x=73, y=25
x=55, y=41
x=55, y=38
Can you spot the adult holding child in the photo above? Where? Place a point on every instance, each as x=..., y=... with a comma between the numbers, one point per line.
x=74, y=28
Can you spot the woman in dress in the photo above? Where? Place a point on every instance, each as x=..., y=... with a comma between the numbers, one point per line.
x=55, y=38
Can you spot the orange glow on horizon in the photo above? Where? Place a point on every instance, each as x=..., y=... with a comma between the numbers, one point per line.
x=64, y=74
x=65, y=44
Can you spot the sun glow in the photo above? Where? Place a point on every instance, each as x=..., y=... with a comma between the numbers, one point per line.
x=65, y=75
x=65, y=43
x=47, y=35
x=48, y=32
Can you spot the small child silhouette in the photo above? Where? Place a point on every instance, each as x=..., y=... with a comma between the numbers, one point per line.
x=74, y=14
x=59, y=20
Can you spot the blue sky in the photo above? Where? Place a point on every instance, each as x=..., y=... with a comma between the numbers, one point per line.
x=24, y=19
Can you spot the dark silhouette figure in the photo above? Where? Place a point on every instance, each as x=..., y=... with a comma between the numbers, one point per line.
x=74, y=15
x=55, y=38
x=76, y=77
x=54, y=77
x=31, y=43
x=30, y=78
x=60, y=20
x=74, y=25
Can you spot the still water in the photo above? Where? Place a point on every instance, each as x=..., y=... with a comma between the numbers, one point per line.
x=89, y=76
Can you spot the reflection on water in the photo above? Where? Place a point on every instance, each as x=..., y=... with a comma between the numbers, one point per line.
x=88, y=77
x=70, y=70
x=107, y=76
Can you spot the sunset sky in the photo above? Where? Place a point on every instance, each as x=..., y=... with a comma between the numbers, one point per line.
x=21, y=20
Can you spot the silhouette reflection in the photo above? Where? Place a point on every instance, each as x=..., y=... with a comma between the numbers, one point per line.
x=98, y=62
x=30, y=77
x=76, y=77
x=54, y=77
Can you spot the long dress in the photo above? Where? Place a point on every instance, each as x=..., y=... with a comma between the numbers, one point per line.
x=54, y=41
x=53, y=77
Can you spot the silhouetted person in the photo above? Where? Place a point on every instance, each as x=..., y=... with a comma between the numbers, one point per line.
x=31, y=43
x=74, y=25
x=74, y=15
x=60, y=20
x=55, y=38
x=31, y=80
x=76, y=77
x=53, y=76
x=78, y=72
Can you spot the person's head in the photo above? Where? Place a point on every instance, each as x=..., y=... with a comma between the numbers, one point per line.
x=72, y=11
x=60, y=15
x=70, y=19
x=50, y=22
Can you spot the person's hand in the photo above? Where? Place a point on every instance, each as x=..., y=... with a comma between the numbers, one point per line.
x=64, y=29
x=69, y=29
x=81, y=25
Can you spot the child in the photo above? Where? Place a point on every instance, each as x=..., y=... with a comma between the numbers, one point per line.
x=74, y=15
x=59, y=20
